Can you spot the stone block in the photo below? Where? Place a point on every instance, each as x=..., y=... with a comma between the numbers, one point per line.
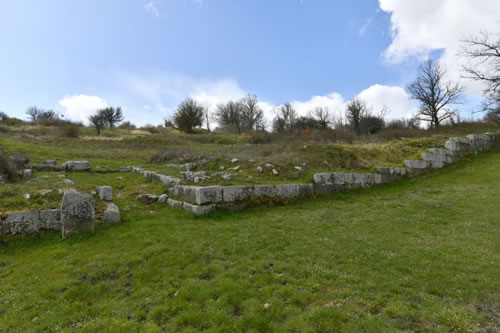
x=322, y=189
x=417, y=164
x=77, y=213
x=162, y=198
x=237, y=193
x=174, y=203
x=199, y=210
x=21, y=223
x=265, y=191
x=27, y=173
x=200, y=195
x=50, y=219
x=111, y=214
x=105, y=193
x=77, y=165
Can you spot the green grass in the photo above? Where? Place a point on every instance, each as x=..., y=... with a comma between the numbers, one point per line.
x=419, y=255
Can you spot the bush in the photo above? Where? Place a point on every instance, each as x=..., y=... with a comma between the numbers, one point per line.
x=127, y=125
x=6, y=168
x=70, y=131
x=260, y=137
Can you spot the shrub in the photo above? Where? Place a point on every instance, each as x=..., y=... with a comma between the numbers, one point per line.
x=6, y=168
x=127, y=125
x=70, y=131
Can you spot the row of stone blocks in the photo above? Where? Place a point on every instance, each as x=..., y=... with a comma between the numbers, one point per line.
x=76, y=215
x=203, y=200
x=159, y=178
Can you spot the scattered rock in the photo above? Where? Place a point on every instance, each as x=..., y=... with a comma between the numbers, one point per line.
x=147, y=198
x=27, y=196
x=235, y=160
x=27, y=173
x=259, y=169
x=111, y=214
x=297, y=168
x=162, y=198
x=76, y=165
x=236, y=168
x=44, y=192
x=227, y=176
x=275, y=172
x=221, y=167
x=266, y=305
x=77, y=213
x=269, y=166
x=68, y=182
x=105, y=193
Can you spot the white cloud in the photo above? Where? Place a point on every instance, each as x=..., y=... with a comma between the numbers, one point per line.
x=419, y=27
x=364, y=28
x=80, y=107
x=152, y=7
x=395, y=98
x=334, y=102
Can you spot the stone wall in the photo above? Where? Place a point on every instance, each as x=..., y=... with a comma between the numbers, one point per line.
x=29, y=222
x=202, y=200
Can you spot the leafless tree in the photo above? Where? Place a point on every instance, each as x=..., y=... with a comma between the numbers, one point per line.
x=112, y=116
x=285, y=117
x=98, y=121
x=434, y=94
x=483, y=55
x=252, y=115
x=229, y=115
x=356, y=111
x=322, y=116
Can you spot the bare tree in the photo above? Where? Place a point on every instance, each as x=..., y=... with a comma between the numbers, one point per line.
x=356, y=111
x=483, y=65
x=252, y=115
x=230, y=115
x=112, y=116
x=189, y=115
x=98, y=121
x=285, y=119
x=434, y=94
x=322, y=116
x=483, y=53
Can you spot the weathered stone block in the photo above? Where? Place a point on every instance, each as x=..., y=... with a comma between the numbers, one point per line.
x=417, y=164
x=77, y=213
x=237, y=193
x=321, y=189
x=22, y=223
x=111, y=214
x=27, y=173
x=199, y=210
x=50, y=219
x=77, y=165
x=105, y=193
x=200, y=195
x=162, y=198
x=174, y=203
x=265, y=191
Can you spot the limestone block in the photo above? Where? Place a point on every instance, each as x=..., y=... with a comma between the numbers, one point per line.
x=77, y=165
x=162, y=198
x=237, y=193
x=111, y=214
x=200, y=195
x=22, y=223
x=265, y=191
x=27, y=173
x=105, y=193
x=417, y=164
x=174, y=203
x=199, y=210
x=77, y=213
x=50, y=219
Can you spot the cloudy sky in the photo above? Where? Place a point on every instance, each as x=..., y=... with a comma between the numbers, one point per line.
x=76, y=56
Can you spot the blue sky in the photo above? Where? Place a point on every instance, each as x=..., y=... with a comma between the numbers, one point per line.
x=146, y=56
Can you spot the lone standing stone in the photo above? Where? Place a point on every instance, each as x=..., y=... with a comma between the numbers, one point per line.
x=105, y=193
x=77, y=213
x=111, y=214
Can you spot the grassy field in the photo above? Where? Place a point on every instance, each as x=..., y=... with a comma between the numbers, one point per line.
x=418, y=255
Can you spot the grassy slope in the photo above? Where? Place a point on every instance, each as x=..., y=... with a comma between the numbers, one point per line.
x=420, y=255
